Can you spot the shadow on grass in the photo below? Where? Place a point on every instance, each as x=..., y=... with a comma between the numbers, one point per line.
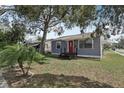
x=56, y=57
x=67, y=58
x=48, y=80
x=43, y=61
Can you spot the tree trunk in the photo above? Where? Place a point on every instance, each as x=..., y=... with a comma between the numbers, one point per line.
x=21, y=66
x=42, y=45
x=28, y=68
x=45, y=30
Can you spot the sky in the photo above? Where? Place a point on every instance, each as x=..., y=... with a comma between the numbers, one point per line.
x=53, y=35
x=73, y=31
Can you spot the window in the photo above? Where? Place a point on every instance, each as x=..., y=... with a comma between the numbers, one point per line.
x=58, y=45
x=81, y=44
x=86, y=43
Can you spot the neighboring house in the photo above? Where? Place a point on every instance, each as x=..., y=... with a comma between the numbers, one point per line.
x=36, y=45
x=82, y=45
x=48, y=46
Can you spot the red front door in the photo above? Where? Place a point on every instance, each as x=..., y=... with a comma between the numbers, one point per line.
x=71, y=47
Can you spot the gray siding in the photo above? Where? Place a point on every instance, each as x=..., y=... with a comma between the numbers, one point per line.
x=62, y=49
x=95, y=51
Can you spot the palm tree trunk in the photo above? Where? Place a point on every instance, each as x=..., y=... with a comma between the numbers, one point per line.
x=28, y=68
x=21, y=66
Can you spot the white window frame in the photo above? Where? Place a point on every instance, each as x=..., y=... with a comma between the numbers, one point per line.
x=57, y=43
x=84, y=47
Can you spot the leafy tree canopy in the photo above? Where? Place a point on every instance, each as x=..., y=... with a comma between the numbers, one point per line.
x=121, y=42
x=54, y=18
x=108, y=20
x=14, y=35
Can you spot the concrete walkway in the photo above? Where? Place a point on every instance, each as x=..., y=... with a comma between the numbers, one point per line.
x=3, y=83
x=120, y=53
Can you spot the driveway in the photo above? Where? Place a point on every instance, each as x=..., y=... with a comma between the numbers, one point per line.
x=3, y=83
x=120, y=51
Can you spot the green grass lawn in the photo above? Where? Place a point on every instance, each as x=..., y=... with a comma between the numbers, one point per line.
x=80, y=72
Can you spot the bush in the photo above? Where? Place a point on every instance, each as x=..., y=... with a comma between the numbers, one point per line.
x=19, y=54
x=107, y=46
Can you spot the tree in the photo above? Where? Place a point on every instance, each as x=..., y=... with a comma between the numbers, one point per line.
x=39, y=38
x=2, y=40
x=109, y=19
x=16, y=34
x=2, y=11
x=107, y=46
x=13, y=27
x=54, y=18
x=121, y=43
x=19, y=54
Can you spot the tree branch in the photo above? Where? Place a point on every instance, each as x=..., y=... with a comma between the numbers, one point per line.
x=42, y=29
x=54, y=24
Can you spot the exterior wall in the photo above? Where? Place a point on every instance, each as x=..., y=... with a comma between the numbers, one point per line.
x=48, y=46
x=96, y=51
x=91, y=52
x=62, y=49
x=101, y=45
x=76, y=45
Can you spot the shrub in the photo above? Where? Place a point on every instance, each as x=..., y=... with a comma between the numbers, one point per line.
x=19, y=54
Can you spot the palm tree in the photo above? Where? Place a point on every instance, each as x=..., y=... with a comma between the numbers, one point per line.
x=19, y=54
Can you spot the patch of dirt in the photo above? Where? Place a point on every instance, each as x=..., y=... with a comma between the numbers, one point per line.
x=15, y=79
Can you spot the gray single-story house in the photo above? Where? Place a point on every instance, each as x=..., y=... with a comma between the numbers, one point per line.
x=82, y=45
